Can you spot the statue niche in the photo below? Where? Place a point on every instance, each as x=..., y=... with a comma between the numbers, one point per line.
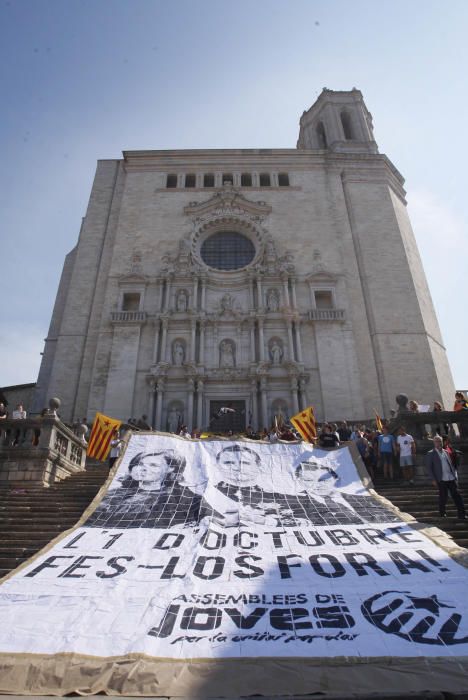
x=273, y=300
x=178, y=352
x=182, y=300
x=227, y=353
x=275, y=349
x=174, y=417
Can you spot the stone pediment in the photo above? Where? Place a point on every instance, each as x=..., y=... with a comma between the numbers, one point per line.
x=133, y=278
x=226, y=203
x=321, y=277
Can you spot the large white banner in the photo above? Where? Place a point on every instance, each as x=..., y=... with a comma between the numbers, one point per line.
x=237, y=549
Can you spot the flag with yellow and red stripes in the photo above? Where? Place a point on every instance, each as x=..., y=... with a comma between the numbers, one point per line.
x=304, y=422
x=378, y=421
x=102, y=433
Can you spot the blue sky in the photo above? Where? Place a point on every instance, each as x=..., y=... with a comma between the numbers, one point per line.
x=86, y=79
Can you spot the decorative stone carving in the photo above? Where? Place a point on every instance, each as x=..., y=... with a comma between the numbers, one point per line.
x=227, y=354
x=174, y=419
x=275, y=348
x=182, y=300
x=178, y=353
x=273, y=300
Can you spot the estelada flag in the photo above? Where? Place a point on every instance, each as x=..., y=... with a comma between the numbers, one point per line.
x=101, y=436
x=378, y=421
x=304, y=422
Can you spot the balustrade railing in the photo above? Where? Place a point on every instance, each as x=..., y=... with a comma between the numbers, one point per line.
x=327, y=315
x=40, y=450
x=128, y=316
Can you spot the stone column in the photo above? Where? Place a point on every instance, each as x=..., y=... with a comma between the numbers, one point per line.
x=203, y=294
x=151, y=398
x=195, y=294
x=305, y=400
x=252, y=342
x=190, y=390
x=193, y=326
x=261, y=340
x=201, y=359
x=252, y=292
x=293, y=293
x=164, y=340
x=290, y=341
x=286, y=291
x=253, y=386
x=297, y=334
x=263, y=394
x=260, y=292
x=156, y=341
x=168, y=292
x=295, y=401
x=200, y=404
x=159, y=400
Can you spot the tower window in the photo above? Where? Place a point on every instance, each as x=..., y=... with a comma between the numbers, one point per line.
x=190, y=181
x=208, y=180
x=265, y=180
x=323, y=300
x=228, y=178
x=321, y=135
x=246, y=180
x=171, y=181
x=131, y=301
x=347, y=125
x=283, y=179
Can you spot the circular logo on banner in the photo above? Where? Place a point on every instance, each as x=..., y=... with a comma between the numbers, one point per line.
x=415, y=618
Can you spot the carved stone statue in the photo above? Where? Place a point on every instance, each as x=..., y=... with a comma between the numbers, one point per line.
x=226, y=303
x=181, y=303
x=272, y=300
x=226, y=354
x=276, y=352
x=178, y=353
x=173, y=420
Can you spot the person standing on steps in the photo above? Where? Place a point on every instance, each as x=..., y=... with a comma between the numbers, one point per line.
x=443, y=472
x=406, y=449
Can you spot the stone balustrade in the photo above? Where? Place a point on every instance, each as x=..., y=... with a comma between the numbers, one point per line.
x=128, y=316
x=38, y=451
x=327, y=315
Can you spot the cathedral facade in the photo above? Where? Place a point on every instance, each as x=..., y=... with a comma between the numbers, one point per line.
x=263, y=279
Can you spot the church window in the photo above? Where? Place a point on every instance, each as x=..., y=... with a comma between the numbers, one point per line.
x=171, y=181
x=227, y=177
x=190, y=181
x=347, y=125
x=131, y=301
x=321, y=135
x=208, y=180
x=265, y=180
x=227, y=250
x=323, y=300
x=283, y=179
x=246, y=180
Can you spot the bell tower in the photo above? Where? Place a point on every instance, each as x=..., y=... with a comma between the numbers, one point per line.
x=338, y=121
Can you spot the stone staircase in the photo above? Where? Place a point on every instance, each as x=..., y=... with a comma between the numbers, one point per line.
x=31, y=517
x=421, y=501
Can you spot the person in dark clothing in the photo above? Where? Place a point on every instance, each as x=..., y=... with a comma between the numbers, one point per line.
x=444, y=475
x=328, y=438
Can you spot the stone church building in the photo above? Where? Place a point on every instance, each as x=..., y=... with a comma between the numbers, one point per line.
x=268, y=279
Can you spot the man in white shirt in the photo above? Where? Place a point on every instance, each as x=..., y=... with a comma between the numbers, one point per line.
x=444, y=475
x=406, y=448
x=18, y=414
